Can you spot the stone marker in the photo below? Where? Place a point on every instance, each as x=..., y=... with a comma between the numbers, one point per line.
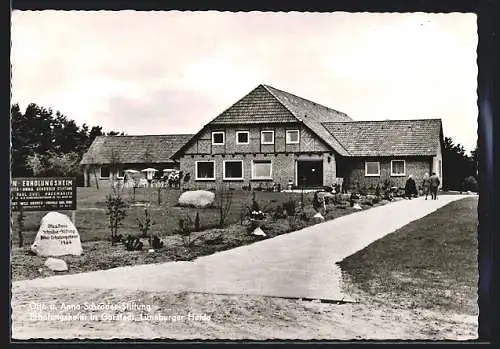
x=197, y=198
x=57, y=236
x=56, y=264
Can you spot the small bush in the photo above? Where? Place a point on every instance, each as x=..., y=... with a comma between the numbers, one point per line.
x=290, y=207
x=145, y=223
x=317, y=202
x=116, y=212
x=470, y=184
x=363, y=191
x=133, y=243
x=117, y=238
x=157, y=243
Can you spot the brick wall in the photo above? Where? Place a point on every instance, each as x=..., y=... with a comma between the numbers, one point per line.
x=416, y=166
x=283, y=169
x=203, y=143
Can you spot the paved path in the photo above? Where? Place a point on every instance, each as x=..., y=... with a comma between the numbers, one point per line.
x=296, y=265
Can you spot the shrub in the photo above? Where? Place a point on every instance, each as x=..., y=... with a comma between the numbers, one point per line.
x=286, y=209
x=224, y=199
x=157, y=243
x=185, y=231
x=317, y=202
x=363, y=191
x=133, y=243
x=117, y=238
x=470, y=184
x=145, y=222
x=116, y=212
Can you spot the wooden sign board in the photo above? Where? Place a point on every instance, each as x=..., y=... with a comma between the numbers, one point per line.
x=43, y=194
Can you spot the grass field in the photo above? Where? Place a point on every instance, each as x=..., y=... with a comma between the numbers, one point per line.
x=428, y=264
x=92, y=222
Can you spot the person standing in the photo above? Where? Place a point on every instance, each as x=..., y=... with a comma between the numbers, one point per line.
x=410, y=187
x=426, y=185
x=434, y=185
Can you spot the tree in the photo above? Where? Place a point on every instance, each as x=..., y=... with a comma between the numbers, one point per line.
x=457, y=165
x=41, y=137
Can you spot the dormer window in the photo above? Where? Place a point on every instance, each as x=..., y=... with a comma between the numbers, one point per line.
x=267, y=137
x=218, y=138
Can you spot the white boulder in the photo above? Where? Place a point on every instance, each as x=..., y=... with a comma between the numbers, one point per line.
x=357, y=207
x=57, y=236
x=197, y=198
x=56, y=264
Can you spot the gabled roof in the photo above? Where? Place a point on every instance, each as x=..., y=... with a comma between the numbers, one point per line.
x=266, y=104
x=134, y=149
x=389, y=137
x=312, y=115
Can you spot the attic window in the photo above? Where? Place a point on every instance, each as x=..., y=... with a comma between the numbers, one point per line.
x=267, y=137
x=242, y=137
x=218, y=138
x=292, y=136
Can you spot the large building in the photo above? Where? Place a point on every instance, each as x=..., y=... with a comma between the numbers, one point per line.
x=271, y=136
x=274, y=137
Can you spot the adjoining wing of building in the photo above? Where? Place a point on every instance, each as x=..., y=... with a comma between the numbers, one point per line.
x=274, y=137
x=110, y=156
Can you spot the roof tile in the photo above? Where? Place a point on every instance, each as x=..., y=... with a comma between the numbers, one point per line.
x=134, y=149
x=389, y=137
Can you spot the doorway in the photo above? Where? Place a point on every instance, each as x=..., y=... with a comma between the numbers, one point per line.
x=310, y=173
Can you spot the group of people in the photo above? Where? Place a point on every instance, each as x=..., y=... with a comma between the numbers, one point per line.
x=430, y=186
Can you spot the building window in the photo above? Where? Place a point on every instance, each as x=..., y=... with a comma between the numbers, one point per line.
x=262, y=169
x=218, y=138
x=205, y=170
x=233, y=169
x=267, y=137
x=120, y=173
x=372, y=168
x=398, y=168
x=292, y=136
x=242, y=137
x=105, y=172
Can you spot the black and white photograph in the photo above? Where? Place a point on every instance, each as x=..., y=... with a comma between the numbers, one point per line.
x=215, y=175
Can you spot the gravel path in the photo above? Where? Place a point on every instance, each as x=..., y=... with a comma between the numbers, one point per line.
x=296, y=265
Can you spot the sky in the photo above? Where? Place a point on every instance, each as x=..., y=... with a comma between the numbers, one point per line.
x=173, y=72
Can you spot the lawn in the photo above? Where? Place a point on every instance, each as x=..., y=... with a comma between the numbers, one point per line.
x=430, y=263
x=99, y=253
x=92, y=222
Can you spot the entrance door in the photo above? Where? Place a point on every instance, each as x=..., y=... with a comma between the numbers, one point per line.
x=310, y=173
